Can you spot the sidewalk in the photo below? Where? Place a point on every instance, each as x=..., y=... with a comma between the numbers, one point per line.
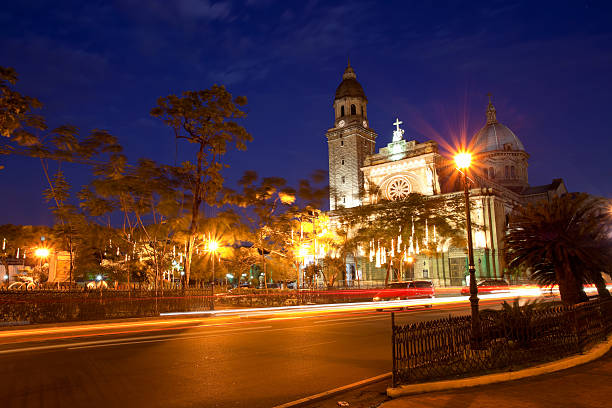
x=588, y=385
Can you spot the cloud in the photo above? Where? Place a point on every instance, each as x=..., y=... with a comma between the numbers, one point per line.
x=204, y=9
x=179, y=10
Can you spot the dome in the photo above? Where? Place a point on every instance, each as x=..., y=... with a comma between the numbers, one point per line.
x=349, y=87
x=495, y=136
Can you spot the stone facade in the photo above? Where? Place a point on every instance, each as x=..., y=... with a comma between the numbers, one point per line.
x=350, y=141
x=360, y=176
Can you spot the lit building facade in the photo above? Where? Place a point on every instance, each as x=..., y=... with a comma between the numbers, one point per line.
x=358, y=175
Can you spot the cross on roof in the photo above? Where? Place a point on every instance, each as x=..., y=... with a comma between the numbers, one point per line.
x=397, y=123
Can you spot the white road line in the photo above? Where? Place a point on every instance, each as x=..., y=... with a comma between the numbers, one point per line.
x=142, y=339
x=379, y=317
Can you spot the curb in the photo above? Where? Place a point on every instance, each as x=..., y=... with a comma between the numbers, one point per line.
x=339, y=390
x=569, y=362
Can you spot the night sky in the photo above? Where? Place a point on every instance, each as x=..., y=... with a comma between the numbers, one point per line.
x=103, y=65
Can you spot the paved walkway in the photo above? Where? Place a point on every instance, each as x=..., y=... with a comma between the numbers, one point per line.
x=588, y=386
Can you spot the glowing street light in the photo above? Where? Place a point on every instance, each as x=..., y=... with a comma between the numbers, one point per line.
x=212, y=247
x=41, y=252
x=463, y=161
x=410, y=260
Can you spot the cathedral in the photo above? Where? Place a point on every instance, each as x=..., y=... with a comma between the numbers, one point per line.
x=360, y=175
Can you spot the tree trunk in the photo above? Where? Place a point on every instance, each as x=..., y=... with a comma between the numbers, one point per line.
x=600, y=284
x=568, y=287
x=387, y=274
x=71, y=262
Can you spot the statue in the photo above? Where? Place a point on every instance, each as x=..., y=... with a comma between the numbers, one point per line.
x=398, y=133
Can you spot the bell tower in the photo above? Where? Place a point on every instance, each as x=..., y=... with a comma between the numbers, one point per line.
x=348, y=142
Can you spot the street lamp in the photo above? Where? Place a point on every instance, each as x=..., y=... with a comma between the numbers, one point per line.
x=41, y=253
x=410, y=260
x=463, y=161
x=213, y=246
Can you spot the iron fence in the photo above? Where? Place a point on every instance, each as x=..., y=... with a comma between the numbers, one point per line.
x=249, y=297
x=61, y=305
x=442, y=349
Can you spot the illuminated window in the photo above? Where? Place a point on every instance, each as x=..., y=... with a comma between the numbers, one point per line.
x=342, y=110
x=353, y=110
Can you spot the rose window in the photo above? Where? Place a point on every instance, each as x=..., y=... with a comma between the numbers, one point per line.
x=398, y=189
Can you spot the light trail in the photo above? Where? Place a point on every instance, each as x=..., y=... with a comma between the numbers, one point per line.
x=191, y=320
x=361, y=306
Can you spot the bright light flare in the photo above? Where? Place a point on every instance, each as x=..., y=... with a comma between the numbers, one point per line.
x=463, y=160
x=42, y=252
x=213, y=246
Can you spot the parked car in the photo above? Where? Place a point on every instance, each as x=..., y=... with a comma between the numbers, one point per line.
x=418, y=289
x=488, y=286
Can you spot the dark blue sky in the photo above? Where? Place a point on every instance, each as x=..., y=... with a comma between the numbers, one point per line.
x=102, y=64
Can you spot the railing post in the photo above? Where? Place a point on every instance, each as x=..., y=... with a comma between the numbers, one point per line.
x=393, y=375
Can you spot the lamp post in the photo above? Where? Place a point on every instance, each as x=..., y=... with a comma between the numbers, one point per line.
x=410, y=260
x=40, y=253
x=213, y=246
x=463, y=161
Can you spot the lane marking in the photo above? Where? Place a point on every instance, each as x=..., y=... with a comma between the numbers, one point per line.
x=378, y=317
x=128, y=340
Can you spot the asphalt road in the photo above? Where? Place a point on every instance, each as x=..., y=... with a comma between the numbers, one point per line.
x=236, y=361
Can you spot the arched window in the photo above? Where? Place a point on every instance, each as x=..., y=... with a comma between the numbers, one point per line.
x=342, y=110
x=512, y=173
x=491, y=172
x=361, y=110
x=486, y=173
x=353, y=110
x=507, y=172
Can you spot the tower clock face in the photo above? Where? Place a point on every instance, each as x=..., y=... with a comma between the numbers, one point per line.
x=341, y=123
x=365, y=124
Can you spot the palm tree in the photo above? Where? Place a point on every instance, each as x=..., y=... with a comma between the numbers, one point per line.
x=565, y=240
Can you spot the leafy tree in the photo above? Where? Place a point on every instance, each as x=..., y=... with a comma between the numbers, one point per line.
x=16, y=239
x=331, y=268
x=565, y=240
x=267, y=205
x=206, y=119
x=311, y=272
x=410, y=221
x=18, y=122
x=149, y=205
x=240, y=260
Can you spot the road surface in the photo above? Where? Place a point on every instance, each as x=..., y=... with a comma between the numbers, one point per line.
x=239, y=360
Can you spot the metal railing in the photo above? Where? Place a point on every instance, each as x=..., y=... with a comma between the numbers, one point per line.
x=73, y=305
x=441, y=349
